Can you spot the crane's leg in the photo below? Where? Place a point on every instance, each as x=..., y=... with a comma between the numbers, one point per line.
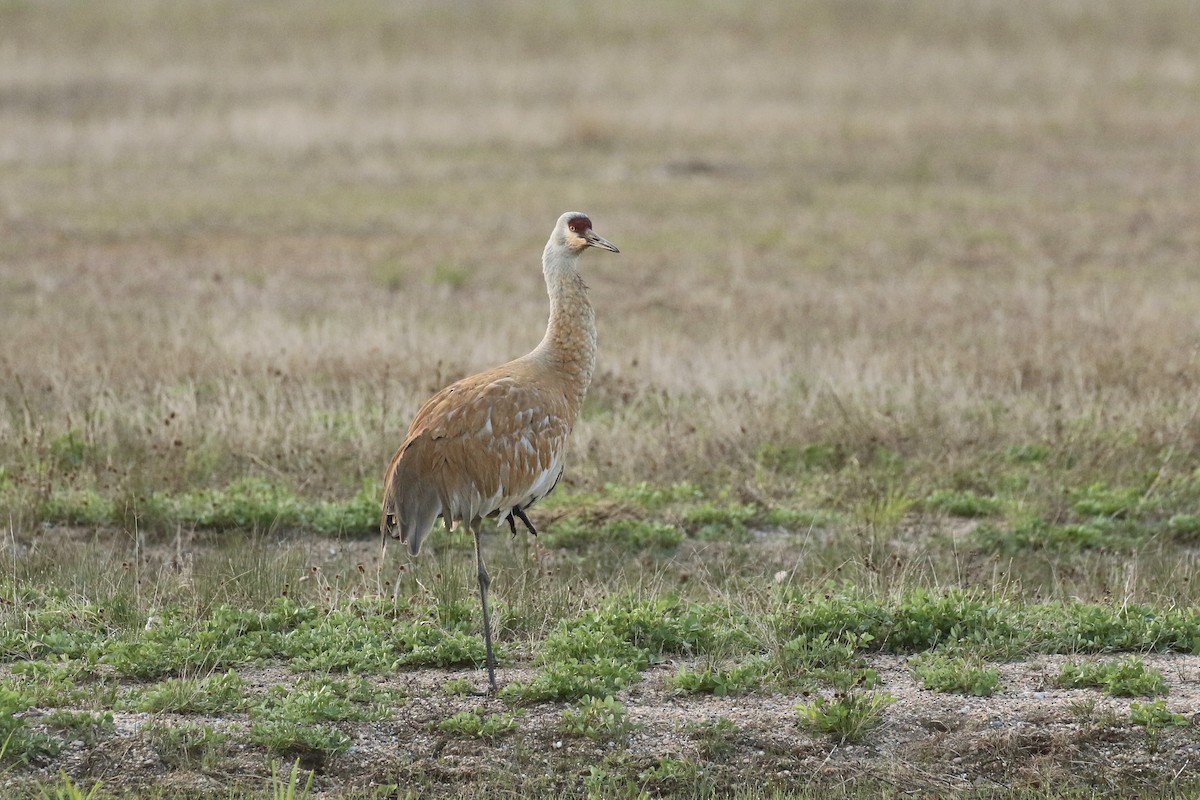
x=485, y=580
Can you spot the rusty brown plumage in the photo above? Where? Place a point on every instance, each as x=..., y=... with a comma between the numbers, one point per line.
x=493, y=444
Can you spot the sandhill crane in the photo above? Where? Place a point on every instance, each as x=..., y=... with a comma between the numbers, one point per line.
x=492, y=444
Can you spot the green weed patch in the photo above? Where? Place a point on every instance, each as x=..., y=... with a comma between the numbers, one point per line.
x=1127, y=677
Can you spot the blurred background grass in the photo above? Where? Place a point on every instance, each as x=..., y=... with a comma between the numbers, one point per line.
x=246, y=240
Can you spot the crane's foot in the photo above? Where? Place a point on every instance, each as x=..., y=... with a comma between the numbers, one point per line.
x=520, y=514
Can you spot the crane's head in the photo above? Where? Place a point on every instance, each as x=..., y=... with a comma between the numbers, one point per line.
x=574, y=232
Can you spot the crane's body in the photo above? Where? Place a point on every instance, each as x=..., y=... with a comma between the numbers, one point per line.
x=493, y=444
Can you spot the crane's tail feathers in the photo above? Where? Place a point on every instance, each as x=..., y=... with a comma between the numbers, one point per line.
x=408, y=514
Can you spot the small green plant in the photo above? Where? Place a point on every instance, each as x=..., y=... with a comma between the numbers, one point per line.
x=825, y=658
x=925, y=618
x=1094, y=533
x=1099, y=500
x=953, y=674
x=285, y=719
x=1128, y=677
x=1185, y=527
x=720, y=521
x=597, y=718
x=600, y=784
x=1032, y=453
x=451, y=275
x=19, y=742
x=1083, y=709
x=1155, y=717
x=307, y=742
x=321, y=699
x=1155, y=714
x=714, y=739
x=79, y=507
x=188, y=744
x=64, y=681
x=652, y=497
x=71, y=450
x=65, y=789
x=288, y=787
x=476, y=725
x=84, y=725
x=721, y=681
x=604, y=649
x=847, y=717
x=964, y=503
x=795, y=460
x=883, y=512
x=671, y=775
x=572, y=679
x=457, y=687
x=215, y=694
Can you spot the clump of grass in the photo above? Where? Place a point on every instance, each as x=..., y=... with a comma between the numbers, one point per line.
x=1098, y=628
x=572, y=679
x=652, y=497
x=1096, y=533
x=301, y=740
x=1155, y=715
x=721, y=521
x=83, y=725
x=674, y=775
x=1100, y=500
x=825, y=658
x=244, y=504
x=323, y=699
x=18, y=742
x=628, y=534
x=847, y=717
x=288, y=721
x=965, y=503
x=597, y=718
x=796, y=460
x=605, y=649
x=721, y=681
x=1127, y=677
x=213, y=695
x=288, y=787
x=954, y=674
x=1185, y=527
x=477, y=725
x=65, y=789
x=64, y=681
x=186, y=745
x=715, y=739
x=925, y=619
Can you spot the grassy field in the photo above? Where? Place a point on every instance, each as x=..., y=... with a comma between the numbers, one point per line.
x=897, y=403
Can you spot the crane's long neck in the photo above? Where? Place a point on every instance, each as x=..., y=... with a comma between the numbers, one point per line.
x=569, y=345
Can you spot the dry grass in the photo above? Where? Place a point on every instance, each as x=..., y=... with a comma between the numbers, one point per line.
x=250, y=239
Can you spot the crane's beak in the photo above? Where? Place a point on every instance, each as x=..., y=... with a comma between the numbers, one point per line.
x=594, y=240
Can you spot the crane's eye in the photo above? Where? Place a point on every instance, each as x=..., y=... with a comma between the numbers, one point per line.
x=579, y=224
